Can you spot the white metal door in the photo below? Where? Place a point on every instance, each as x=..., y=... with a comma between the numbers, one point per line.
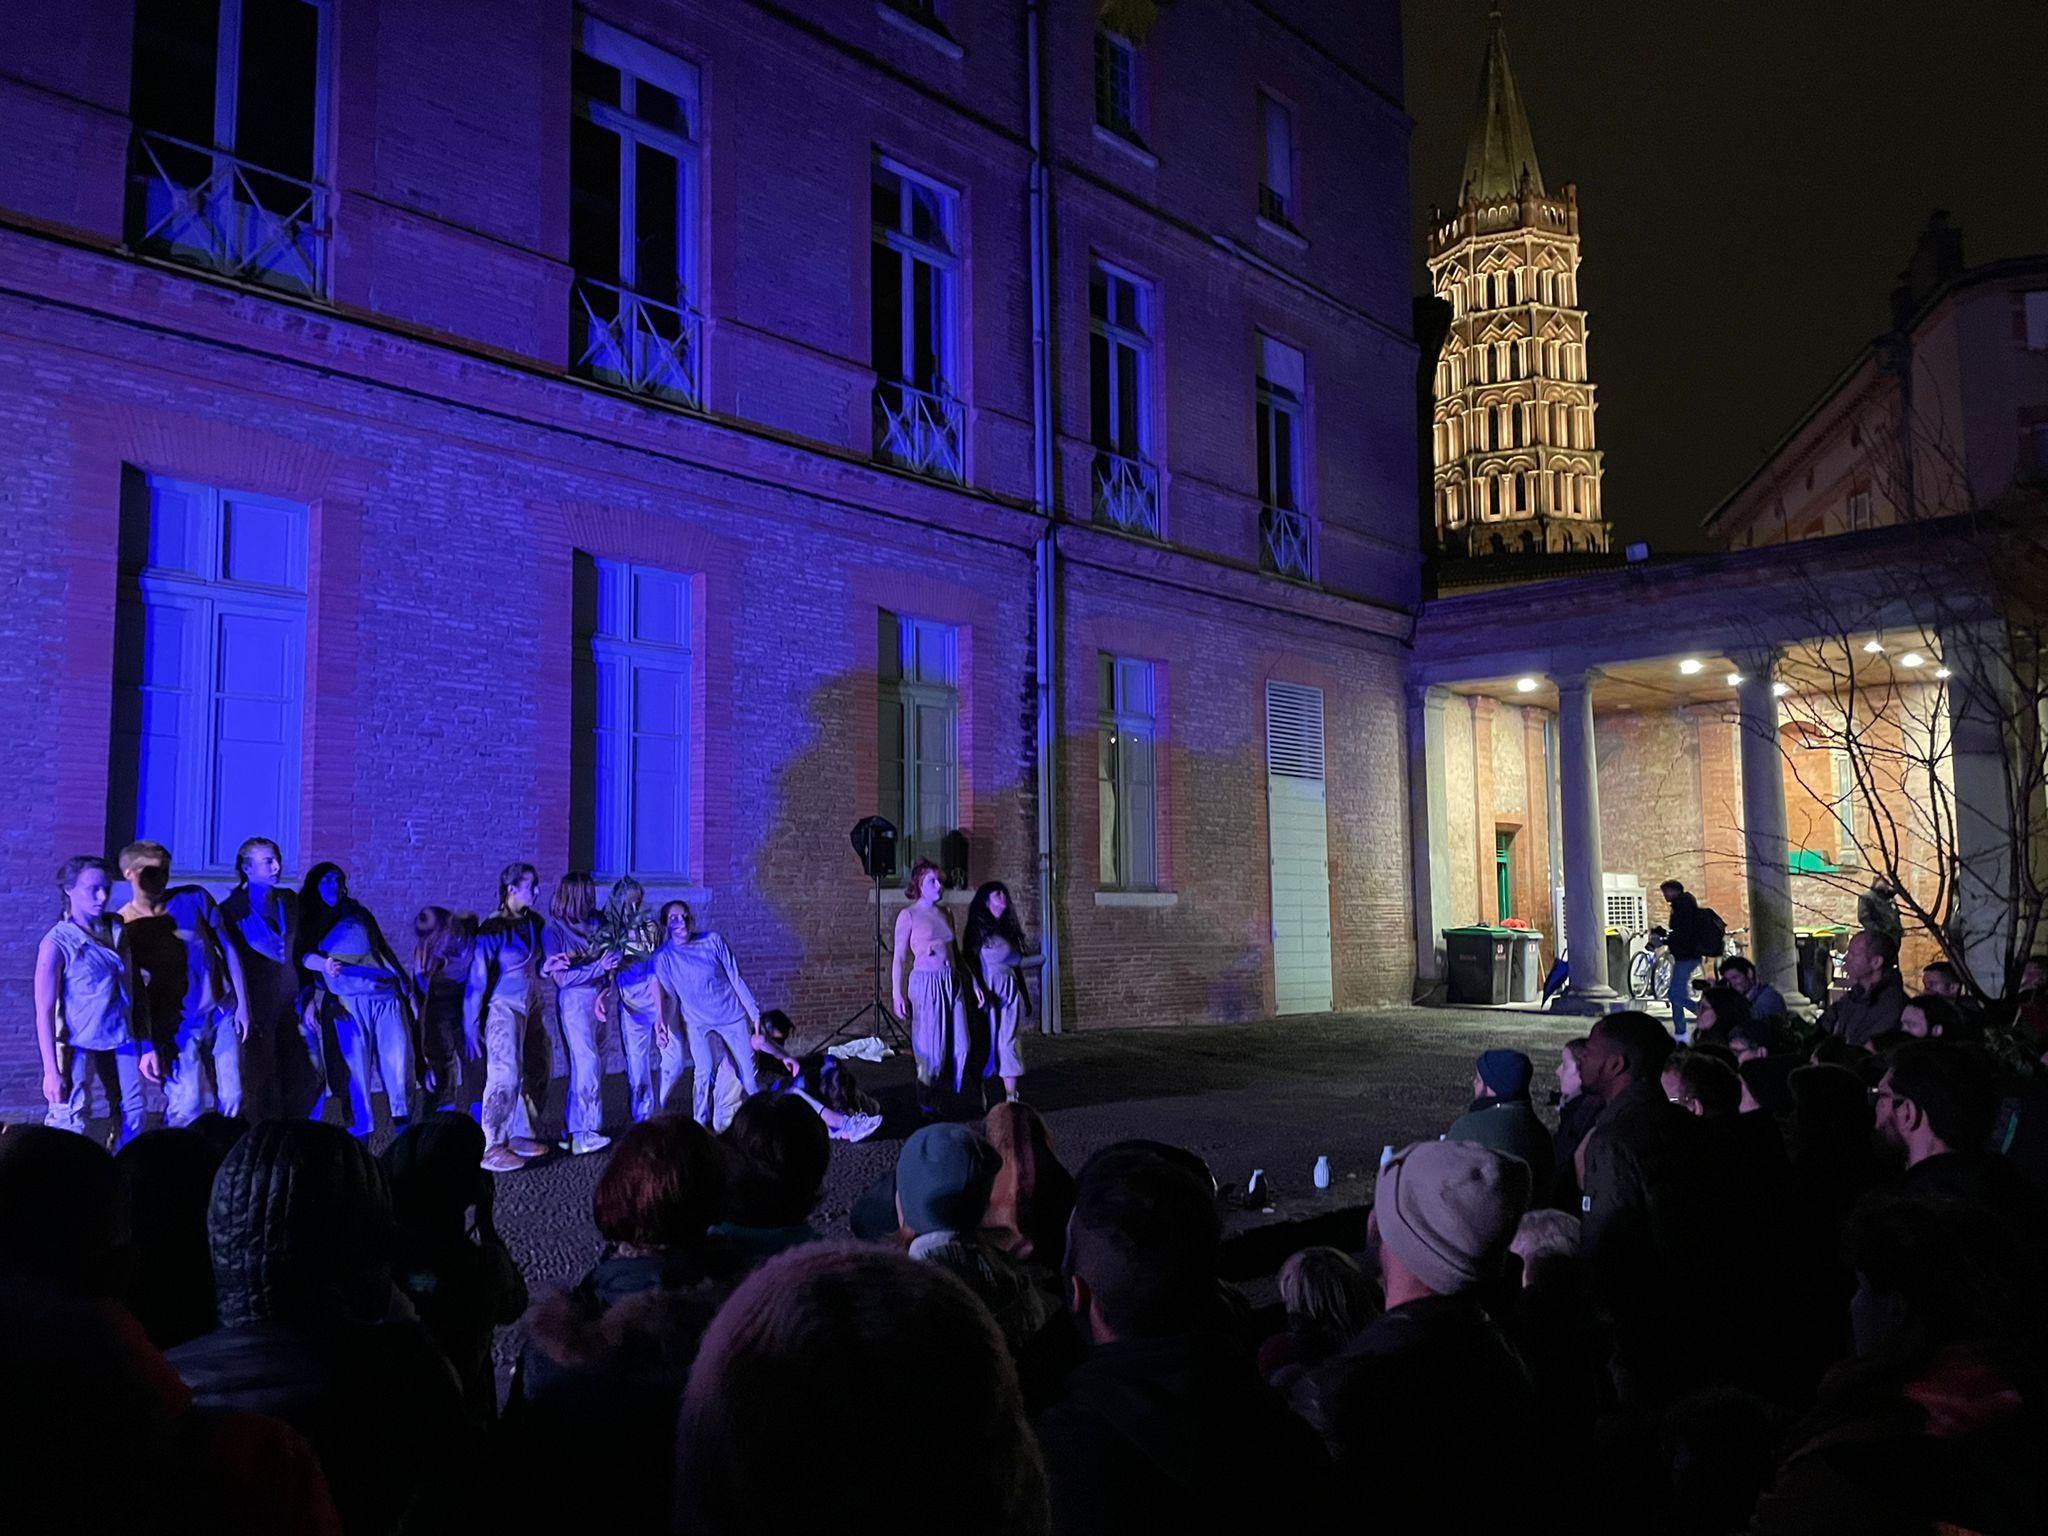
x=1298, y=826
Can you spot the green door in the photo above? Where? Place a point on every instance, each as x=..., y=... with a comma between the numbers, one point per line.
x=1504, y=887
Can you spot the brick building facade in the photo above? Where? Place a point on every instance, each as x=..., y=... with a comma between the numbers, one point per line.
x=387, y=443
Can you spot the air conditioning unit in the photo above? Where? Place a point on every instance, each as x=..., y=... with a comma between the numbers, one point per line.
x=1627, y=907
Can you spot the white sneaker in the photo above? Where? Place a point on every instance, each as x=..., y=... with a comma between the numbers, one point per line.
x=858, y=1128
x=587, y=1141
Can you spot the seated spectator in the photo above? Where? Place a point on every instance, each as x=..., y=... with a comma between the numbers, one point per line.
x=98, y=1432
x=1165, y=1425
x=1576, y=1112
x=1434, y=1376
x=1033, y=1194
x=1328, y=1299
x=1875, y=998
x=1721, y=1011
x=1719, y=1447
x=1934, y=1111
x=1765, y=1061
x=1738, y=973
x=822, y=1351
x=311, y=1330
x=944, y=1176
x=1934, y=1425
x=1702, y=1086
x=457, y=1273
x=1931, y=1016
x=780, y=1151
x=604, y=1363
x=168, y=1177
x=1547, y=1244
x=1501, y=1116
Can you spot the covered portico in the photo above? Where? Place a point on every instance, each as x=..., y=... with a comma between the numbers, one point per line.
x=1681, y=687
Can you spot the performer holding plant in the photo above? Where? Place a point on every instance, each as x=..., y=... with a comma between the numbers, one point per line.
x=581, y=970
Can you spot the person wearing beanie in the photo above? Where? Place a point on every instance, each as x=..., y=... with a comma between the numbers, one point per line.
x=1503, y=1118
x=944, y=1177
x=1433, y=1377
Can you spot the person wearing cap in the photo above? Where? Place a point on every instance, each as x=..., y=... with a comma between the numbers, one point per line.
x=1501, y=1116
x=1433, y=1378
x=944, y=1177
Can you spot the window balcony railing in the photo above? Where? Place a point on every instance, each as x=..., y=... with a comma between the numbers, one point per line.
x=1126, y=493
x=920, y=430
x=637, y=343
x=206, y=208
x=1289, y=542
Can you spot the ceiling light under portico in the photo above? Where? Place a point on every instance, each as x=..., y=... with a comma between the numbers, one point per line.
x=1692, y=666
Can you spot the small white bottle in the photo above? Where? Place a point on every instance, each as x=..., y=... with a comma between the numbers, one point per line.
x=1322, y=1174
x=1386, y=1156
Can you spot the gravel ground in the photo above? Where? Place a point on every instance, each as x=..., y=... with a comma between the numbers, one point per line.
x=1273, y=1095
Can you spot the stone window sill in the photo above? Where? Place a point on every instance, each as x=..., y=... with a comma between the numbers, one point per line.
x=1137, y=898
x=923, y=31
x=1124, y=144
x=895, y=896
x=1285, y=233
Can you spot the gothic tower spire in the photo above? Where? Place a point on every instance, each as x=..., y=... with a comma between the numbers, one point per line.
x=1517, y=471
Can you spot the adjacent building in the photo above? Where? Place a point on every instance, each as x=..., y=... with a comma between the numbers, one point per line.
x=651, y=440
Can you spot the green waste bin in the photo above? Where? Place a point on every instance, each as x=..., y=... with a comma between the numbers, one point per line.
x=1525, y=965
x=1617, y=960
x=1817, y=951
x=1481, y=963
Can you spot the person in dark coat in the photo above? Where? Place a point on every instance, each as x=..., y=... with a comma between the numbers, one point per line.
x=1936, y=1422
x=1576, y=1112
x=311, y=1329
x=1165, y=1424
x=1875, y=999
x=778, y=1150
x=1501, y=1116
x=168, y=1175
x=1406, y=1401
x=453, y=1266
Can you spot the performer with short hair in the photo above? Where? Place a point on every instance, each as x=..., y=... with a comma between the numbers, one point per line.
x=85, y=1027
x=501, y=1015
x=925, y=984
x=192, y=988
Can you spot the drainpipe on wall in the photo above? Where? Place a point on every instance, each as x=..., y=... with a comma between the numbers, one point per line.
x=1045, y=564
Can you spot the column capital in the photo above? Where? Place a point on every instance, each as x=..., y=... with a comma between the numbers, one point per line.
x=1758, y=663
x=1430, y=696
x=1577, y=679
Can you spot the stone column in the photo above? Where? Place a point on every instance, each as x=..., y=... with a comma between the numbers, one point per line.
x=1429, y=834
x=1578, y=786
x=1485, y=712
x=1978, y=697
x=1766, y=844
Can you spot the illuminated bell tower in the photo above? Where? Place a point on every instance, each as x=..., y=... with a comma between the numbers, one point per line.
x=1517, y=471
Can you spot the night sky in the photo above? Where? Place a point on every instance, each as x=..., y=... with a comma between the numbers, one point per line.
x=1752, y=177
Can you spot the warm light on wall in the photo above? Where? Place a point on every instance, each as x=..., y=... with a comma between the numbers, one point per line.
x=1912, y=659
x=1525, y=685
x=1873, y=647
x=1691, y=667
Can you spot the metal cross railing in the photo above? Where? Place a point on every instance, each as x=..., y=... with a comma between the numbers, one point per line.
x=1126, y=493
x=637, y=343
x=1289, y=540
x=206, y=207
x=920, y=430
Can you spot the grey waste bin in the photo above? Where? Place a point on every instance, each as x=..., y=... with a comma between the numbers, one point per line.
x=1525, y=966
x=1480, y=962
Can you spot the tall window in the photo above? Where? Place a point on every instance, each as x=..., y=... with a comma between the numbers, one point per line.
x=918, y=418
x=1126, y=775
x=209, y=680
x=1276, y=180
x=229, y=99
x=632, y=212
x=1289, y=545
x=919, y=733
x=1116, y=83
x=633, y=715
x=1126, y=484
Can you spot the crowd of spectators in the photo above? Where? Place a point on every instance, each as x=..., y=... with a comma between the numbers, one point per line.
x=1771, y=1281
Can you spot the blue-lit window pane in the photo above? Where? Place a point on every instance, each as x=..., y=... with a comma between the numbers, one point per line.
x=640, y=781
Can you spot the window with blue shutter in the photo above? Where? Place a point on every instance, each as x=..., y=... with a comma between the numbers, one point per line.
x=638, y=632
x=919, y=733
x=210, y=670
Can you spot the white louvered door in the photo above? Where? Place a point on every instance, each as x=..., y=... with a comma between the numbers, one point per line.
x=1299, y=832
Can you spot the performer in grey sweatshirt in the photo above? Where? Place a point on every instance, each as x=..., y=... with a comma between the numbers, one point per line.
x=701, y=982
x=501, y=1012
x=568, y=936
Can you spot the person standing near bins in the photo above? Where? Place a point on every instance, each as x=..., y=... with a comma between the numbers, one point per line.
x=1877, y=912
x=1696, y=932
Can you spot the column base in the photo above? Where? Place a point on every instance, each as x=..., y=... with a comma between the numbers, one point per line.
x=1591, y=1003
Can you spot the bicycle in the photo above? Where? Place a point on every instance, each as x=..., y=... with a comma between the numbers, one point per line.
x=1649, y=968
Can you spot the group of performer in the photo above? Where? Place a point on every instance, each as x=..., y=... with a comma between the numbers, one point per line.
x=235, y=1004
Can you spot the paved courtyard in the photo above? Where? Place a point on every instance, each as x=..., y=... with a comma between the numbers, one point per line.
x=1274, y=1095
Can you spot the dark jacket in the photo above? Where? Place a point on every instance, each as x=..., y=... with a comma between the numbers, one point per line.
x=1689, y=938
x=1766, y=1002
x=1858, y=1018
x=1014, y=1296
x=463, y=1290
x=1575, y=1117
x=1414, y=1395
x=1508, y=1125
x=1177, y=1434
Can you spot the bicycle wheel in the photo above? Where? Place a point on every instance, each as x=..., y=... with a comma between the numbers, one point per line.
x=1663, y=978
x=1641, y=966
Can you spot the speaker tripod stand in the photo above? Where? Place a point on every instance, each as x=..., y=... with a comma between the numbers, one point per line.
x=886, y=1025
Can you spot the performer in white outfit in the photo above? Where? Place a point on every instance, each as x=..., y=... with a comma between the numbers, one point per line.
x=580, y=977
x=84, y=1024
x=501, y=1015
x=991, y=948
x=654, y=1056
x=701, y=982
